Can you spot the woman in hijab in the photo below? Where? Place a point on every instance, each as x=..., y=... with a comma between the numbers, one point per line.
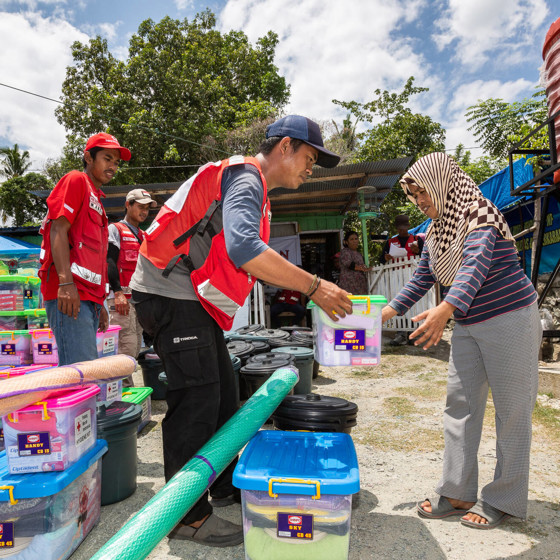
x=353, y=270
x=470, y=251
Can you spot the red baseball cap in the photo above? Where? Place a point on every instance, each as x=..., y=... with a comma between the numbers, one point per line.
x=104, y=140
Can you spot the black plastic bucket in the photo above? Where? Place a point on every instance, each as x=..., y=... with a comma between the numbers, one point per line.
x=260, y=367
x=117, y=424
x=250, y=329
x=243, y=350
x=152, y=366
x=315, y=413
x=303, y=358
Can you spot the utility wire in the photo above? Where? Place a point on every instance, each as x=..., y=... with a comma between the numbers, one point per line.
x=154, y=130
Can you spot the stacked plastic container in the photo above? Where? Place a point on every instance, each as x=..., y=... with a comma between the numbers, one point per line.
x=20, y=297
x=50, y=475
x=550, y=79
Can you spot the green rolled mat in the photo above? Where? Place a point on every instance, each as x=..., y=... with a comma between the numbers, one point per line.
x=156, y=519
x=262, y=545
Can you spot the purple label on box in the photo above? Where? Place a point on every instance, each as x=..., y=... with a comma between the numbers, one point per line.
x=45, y=349
x=9, y=349
x=6, y=535
x=295, y=526
x=350, y=339
x=37, y=443
x=28, y=294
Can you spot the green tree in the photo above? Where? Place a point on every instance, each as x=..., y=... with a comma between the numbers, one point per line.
x=14, y=162
x=480, y=168
x=498, y=125
x=182, y=83
x=19, y=203
x=395, y=131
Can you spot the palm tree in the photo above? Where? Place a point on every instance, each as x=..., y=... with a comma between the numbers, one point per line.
x=14, y=162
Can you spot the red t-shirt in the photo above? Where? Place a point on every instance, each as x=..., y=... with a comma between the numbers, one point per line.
x=66, y=200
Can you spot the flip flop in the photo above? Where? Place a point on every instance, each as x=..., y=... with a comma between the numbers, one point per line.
x=441, y=508
x=494, y=516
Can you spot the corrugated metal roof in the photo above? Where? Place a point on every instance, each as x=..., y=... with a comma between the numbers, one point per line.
x=327, y=191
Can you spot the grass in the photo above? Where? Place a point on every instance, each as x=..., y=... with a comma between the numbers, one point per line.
x=407, y=438
x=399, y=406
x=548, y=419
x=426, y=392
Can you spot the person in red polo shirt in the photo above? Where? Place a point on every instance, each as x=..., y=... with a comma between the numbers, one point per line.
x=73, y=269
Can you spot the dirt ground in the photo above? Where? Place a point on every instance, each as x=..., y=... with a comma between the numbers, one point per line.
x=399, y=443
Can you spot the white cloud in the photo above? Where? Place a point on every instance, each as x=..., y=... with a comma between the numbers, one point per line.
x=36, y=53
x=183, y=4
x=330, y=49
x=476, y=29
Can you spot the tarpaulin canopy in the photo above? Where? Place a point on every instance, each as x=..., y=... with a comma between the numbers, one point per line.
x=10, y=246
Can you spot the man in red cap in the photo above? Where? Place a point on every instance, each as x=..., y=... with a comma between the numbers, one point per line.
x=73, y=269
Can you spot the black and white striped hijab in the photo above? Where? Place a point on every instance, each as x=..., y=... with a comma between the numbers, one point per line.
x=461, y=208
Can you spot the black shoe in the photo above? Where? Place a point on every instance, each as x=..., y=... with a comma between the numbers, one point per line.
x=213, y=532
x=230, y=499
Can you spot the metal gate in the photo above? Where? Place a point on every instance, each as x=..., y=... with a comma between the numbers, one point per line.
x=386, y=280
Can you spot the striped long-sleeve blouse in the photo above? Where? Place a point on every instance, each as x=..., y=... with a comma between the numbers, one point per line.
x=489, y=282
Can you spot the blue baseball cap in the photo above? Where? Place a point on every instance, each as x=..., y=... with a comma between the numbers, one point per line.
x=304, y=129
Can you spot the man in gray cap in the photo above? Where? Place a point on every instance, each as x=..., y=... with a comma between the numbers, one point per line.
x=125, y=238
x=197, y=265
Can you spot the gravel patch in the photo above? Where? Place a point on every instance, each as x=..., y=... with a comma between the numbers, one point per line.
x=399, y=443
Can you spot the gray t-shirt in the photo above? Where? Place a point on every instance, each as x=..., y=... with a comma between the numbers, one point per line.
x=242, y=198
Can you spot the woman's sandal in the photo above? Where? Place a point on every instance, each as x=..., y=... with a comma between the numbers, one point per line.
x=441, y=508
x=494, y=516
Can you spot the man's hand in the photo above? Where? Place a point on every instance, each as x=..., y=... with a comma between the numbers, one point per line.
x=122, y=307
x=431, y=330
x=103, y=319
x=388, y=258
x=68, y=300
x=332, y=300
x=414, y=248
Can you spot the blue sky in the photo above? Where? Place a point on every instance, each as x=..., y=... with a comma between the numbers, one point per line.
x=463, y=50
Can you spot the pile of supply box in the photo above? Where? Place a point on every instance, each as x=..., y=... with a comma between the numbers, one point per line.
x=55, y=474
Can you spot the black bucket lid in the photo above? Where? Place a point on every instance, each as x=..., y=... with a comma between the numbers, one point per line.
x=118, y=414
x=240, y=348
x=250, y=329
x=273, y=334
x=280, y=342
x=260, y=346
x=266, y=364
x=293, y=328
x=303, y=337
x=314, y=411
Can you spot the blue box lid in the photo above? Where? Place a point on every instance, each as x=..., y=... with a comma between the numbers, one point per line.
x=40, y=485
x=299, y=463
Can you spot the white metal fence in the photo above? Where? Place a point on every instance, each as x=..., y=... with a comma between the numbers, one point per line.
x=386, y=280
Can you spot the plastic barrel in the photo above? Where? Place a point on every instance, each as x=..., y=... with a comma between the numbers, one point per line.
x=152, y=366
x=315, y=413
x=259, y=368
x=117, y=424
x=304, y=362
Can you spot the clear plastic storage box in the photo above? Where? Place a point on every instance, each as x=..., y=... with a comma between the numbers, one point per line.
x=19, y=292
x=46, y=516
x=43, y=346
x=354, y=340
x=108, y=342
x=296, y=493
x=15, y=348
x=141, y=396
x=53, y=434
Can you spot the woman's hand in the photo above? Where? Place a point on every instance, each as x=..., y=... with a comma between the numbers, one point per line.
x=387, y=313
x=431, y=330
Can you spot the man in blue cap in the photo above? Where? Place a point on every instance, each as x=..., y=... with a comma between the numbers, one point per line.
x=214, y=231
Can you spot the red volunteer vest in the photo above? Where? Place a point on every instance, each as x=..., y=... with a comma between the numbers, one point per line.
x=88, y=239
x=411, y=238
x=128, y=254
x=220, y=286
x=288, y=296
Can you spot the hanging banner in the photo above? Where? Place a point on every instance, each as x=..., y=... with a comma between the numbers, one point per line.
x=289, y=247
